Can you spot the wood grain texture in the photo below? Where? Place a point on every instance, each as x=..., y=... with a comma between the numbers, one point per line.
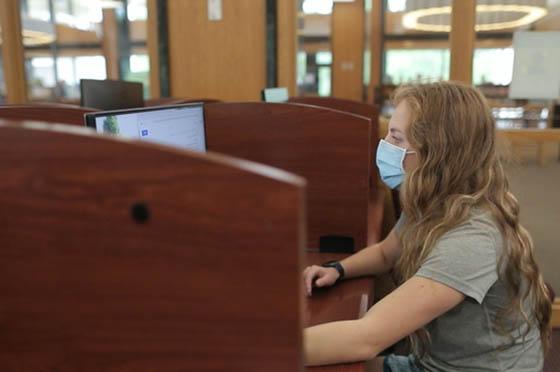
x=176, y=101
x=461, y=38
x=138, y=29
x=66, y=52
x=46, y=112
x=12, y=52
x=152, y=42
x=555, y=321
x=348, y=50
x=221, y=59
x=444, y=44
x=86, y=288
x=66, y=34
x=530, y=135
x=330, y=149
x=376, y=47
x=111, y=43
x=354, y=107
x=542, y=138
x=287, y=45
x=371, y=112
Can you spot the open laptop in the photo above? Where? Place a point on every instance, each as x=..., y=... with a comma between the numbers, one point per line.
x=181, y=126
x=275, y=95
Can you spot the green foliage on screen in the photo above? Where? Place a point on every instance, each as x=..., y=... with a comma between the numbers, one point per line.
x=110, y=125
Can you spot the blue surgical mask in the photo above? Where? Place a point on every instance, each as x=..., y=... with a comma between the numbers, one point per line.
x=390, y=163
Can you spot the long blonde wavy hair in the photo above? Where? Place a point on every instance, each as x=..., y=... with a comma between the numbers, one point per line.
x=453, y=133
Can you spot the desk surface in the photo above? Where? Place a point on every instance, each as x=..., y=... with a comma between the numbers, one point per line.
x=347, y=300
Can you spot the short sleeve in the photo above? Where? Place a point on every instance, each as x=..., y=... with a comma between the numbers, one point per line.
x=400, y=223
x=465, y=259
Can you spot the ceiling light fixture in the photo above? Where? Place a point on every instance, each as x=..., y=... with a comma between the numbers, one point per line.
x=413, y=20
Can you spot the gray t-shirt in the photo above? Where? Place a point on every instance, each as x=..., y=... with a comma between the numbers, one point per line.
x=464, y=339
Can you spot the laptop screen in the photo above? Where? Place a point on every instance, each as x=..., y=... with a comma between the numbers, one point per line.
x=180, y=126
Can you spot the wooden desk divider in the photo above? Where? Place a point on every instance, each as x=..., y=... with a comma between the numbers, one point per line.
x=354, y=107
x=331, y=149
x=133, y=257
x=376, y=210
x=46, y=112
x=175, y=101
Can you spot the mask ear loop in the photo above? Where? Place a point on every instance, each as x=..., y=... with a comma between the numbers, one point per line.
x=405, y=152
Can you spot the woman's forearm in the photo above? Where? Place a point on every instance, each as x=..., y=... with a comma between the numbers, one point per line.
x=337, y=342
x=368, y=261
x=375, y=259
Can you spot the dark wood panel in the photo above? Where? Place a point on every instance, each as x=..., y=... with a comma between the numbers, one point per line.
x=354, y=107
x=46, y=112
x=371, y=112
x=185, y=285
x=176, y=101
x=331, y=149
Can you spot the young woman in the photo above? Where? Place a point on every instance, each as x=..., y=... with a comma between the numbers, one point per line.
x=471, y=295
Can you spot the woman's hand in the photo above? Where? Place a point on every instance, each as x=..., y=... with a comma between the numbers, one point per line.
x=319, y=276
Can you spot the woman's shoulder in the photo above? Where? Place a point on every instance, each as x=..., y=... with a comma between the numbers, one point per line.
x=480, y=225
x=483, y=219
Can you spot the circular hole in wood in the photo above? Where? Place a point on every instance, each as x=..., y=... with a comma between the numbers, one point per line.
x=140, y=212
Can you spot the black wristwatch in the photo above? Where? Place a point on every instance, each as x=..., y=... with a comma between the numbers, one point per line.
x=336, y=265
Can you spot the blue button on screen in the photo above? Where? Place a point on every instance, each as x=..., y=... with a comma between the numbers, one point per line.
x=144, y=132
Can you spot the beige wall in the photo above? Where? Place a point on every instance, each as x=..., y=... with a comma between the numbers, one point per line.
x=217, y=59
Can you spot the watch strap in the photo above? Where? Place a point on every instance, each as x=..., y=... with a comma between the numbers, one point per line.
x=337, y=266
